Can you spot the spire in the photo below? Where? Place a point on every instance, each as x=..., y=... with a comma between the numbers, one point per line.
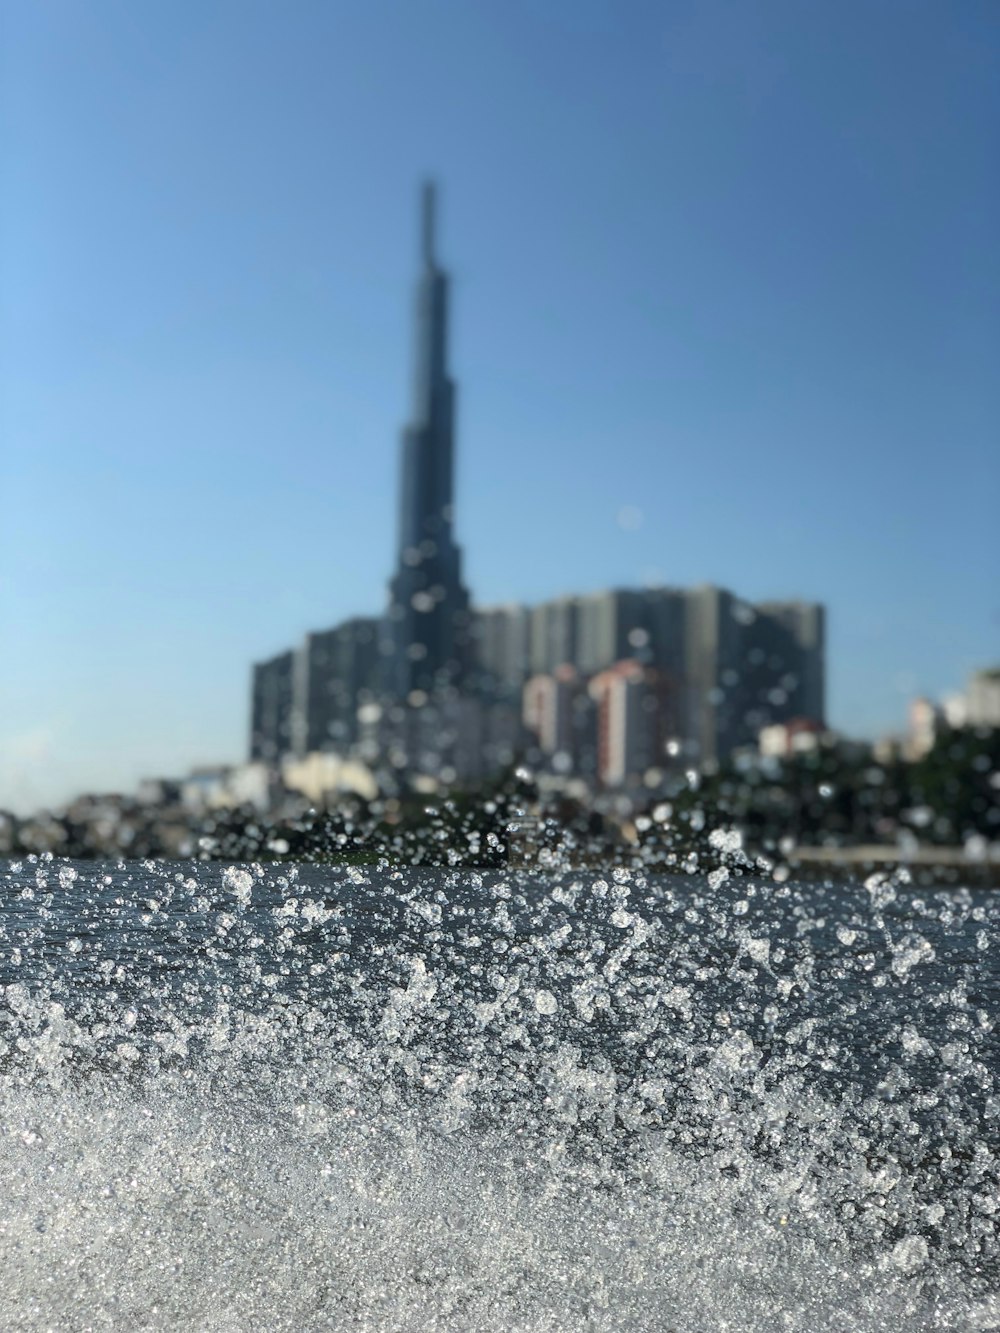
x=428, y=602
x=427, y=232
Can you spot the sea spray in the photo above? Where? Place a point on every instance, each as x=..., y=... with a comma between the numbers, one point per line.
x=261, y=1097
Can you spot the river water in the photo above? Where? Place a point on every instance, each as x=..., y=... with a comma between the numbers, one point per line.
x=267, y=1098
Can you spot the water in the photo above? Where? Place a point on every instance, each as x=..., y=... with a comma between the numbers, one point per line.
x=265, y=1098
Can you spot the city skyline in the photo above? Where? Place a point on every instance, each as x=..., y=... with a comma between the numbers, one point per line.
x=618, y=689
x=751, y=349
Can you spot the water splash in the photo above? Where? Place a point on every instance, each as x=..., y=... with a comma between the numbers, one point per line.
x=250, y=1097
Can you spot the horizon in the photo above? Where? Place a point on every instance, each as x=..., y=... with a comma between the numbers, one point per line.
x=255, y=341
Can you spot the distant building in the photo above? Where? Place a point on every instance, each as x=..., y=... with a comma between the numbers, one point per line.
x=978, y=705
x=798, y=651
x=748, y=667
x=612, y=626
x=554, y=634
x=927, y=720
x=956, y=709
x=251, y=784
x=206, y=788
x=158, y=791
x=559, y=714
x=661, y=638
x=335, y=672
x=435, y=689
x=444, y=740
x=321, y=776
x=715, y=695
x=428, y=619
x=271, y=709
x=504, y=737
x=501, y=645
x=633, y=722
x=887, y=749
x=982, y=698
x=782, y=740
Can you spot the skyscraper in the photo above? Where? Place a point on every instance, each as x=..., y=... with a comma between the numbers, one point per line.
x=427, y=640
x=616, y=683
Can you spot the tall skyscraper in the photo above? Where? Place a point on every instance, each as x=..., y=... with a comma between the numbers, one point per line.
x=613, y=683
x=428, y=616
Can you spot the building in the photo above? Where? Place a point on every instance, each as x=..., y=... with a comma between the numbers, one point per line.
x=553, y=638
x=660, y=638
x=797, y=647
x=615, y=681
x=634, y=722
x=559, y=714
x=321, y=777
x=427, y=623
x=335, y=672
x=982, y=698
x=926, y=722
x=271, y=708
x=713, y=661
x=747, y=667
x=445, y=740
x=783, y=740
x=501, y=647
x=978, y=705
x=611, y=627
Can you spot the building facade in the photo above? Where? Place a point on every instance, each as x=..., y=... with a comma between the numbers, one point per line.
x=501, y=648
x=335, y=672
x=271, y=708
x=634, y=722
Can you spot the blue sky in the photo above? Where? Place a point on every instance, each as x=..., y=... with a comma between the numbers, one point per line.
x=733, y=264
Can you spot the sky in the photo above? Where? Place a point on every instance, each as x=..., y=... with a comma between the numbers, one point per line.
x=726, y=308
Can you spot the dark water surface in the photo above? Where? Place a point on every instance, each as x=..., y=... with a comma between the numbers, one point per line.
x=304, y=1098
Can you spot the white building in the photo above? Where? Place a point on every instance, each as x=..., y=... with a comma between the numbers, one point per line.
x=982, y=698
x=632, y=722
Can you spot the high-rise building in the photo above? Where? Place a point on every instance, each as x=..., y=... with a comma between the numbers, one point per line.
x=611, y=628
x=334, y=671
x=434, y=689
x=501, y=638
x=553, y=635
x=633, y=721
x=800, y=657
x=555, y=712
x=747, y=667
x=271, y=709
x=664, y=624
x=713, y=672
x=427, y=638
x=560, y=717
x=646, y=624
